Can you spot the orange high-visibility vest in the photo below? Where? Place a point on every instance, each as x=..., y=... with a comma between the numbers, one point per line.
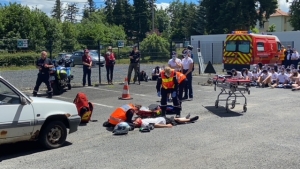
x=180, y=77
x=282, y=55
x=167, y=82
x=119, y=115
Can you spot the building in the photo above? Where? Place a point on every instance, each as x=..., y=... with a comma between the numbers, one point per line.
x=281, y=21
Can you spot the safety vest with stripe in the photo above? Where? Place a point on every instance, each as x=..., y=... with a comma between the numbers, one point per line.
x=282, y=55
x=180, y=77
x=167, y=82
x=119, y=115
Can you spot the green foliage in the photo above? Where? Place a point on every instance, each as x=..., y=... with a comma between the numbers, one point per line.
x=272, y=28
x=155, y=47
x=19, y=59
x=254, y=30
x=295, y=15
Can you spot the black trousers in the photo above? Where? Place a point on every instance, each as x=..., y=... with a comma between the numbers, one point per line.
x=86, y=74
x=109, y=72
x=188, y=85
x=181, y=86
x=42, y=78
x=163, y=101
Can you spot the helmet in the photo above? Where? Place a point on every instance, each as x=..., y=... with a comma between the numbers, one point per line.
x=190, y=47
x=121, y=128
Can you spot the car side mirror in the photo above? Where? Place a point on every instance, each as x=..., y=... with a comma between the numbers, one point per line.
x=23, y=101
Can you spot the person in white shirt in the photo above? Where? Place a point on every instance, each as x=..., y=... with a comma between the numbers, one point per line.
x=247, y=74
x=295, y=58
x=236, y=74
x=255, y=75
x=282, y=79
x=155, y=73
x=187, y=69
x=289, y=74
x=273, y=76
x=264, y=80
x=175, y=63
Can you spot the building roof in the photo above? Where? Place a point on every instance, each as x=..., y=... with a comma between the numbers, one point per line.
x=279, y=12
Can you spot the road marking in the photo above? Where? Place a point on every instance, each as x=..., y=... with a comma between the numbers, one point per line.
x=92, y=102
x=117, y=91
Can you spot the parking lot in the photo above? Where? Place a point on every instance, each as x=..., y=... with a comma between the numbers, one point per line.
x=266, y=136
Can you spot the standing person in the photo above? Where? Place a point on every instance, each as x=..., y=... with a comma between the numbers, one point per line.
x=167, y=83
x=181, y=79
x=187, y=69
x=288, y=55
x=110, y=63
x=43, y=64
x=295, y=58
x=175, y=63
x=87, y=65
x=134, y=64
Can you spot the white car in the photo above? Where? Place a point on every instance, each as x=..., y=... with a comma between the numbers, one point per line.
x=24, y=118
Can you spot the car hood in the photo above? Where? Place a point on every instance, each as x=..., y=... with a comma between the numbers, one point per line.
x=48, y=101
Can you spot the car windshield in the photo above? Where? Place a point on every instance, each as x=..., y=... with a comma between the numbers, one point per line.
x=93, y=54
x=238, y=46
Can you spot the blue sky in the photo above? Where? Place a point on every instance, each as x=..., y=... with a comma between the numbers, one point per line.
x=46, y=5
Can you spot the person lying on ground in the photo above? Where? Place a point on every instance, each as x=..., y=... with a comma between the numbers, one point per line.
x=282, y=79
x=163, y=122
x=122, y=114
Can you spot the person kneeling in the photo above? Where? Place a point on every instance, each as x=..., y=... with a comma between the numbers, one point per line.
x=163, y=122
x=122, y=114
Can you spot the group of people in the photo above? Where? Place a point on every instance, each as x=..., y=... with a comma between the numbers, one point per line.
x=271, y=77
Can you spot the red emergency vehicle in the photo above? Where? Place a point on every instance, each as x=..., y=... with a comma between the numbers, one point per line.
x=243, y=49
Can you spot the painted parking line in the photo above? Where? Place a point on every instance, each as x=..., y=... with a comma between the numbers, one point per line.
x=118, y=91
x=98, y=104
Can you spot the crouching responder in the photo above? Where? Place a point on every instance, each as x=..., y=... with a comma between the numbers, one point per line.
x=181, y=79
x=43, y=64
x=167, y=83
x=122, y=114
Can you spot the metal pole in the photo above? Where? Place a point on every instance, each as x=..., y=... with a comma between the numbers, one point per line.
x=198, y=57
x=99, y=53
x=212, y=53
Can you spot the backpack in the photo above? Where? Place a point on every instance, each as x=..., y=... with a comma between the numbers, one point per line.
x=84, y=107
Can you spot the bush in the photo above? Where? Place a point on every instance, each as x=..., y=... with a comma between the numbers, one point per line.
x=18, y=59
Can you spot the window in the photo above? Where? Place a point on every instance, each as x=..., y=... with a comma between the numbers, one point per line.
x=244, y=46
x=238, y=46
x=8, y=96
x=278, y=46
x=260, y=46
x=230, y=46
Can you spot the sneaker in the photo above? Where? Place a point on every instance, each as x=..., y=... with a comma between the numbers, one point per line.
x=194, y=119
x=188, y=116
x=177, y=116
x=190, y=99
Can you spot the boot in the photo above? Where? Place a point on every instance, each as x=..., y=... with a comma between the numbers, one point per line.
x=34, y=93
x=49, y=95
x=177, y=111
x=163, y=111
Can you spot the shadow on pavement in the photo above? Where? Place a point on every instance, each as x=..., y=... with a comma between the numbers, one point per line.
x=9, y=151
x=221, y=111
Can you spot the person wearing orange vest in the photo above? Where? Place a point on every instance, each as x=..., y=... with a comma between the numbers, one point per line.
x=122, y=114
x=167, y=83
x=181, y=79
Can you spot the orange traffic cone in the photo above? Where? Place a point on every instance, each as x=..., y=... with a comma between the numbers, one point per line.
x=125, y=95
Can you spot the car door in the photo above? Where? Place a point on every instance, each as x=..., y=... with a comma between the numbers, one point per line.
x=16, y=120
x=78, y=58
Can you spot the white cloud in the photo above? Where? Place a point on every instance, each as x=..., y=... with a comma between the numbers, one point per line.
x=283, y=5
x=162, y=5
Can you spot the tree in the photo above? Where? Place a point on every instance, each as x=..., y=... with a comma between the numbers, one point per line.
x=89, y=9
x=141, y=17
x=200, y=20
x=162, y=20
x=154, y=46
x=108, y=10
x=295, y=15
x=57, y=10
x=175, y=11
x=72, y=12
x=272, y=28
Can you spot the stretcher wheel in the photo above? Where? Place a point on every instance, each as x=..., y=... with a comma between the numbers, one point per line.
x=248, y=92
x=217, y=104
x=233, y=104
x=226, y=107
x=245, y=108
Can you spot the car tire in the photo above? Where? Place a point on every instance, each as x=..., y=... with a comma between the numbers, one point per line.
x=69, y=86
x=53, y=135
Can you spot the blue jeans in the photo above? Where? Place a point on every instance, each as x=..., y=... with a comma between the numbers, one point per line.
x=188, y=90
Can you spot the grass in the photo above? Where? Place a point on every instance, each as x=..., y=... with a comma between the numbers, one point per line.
x=10, y=68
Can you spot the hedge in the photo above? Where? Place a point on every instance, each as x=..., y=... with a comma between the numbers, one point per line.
x=18, y=59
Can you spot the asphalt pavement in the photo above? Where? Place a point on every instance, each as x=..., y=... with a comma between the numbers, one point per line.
x=266, y=136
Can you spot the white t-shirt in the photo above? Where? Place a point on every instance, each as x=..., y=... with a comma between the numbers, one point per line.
x=249, y=75
x=153, y=71
x=255, y=75
x=186, y=62
x=157, y=120
x=282, y=78
x=274, y=76
x=173, y=64
x=295, y=56
x=238, y=75
x=264, y=76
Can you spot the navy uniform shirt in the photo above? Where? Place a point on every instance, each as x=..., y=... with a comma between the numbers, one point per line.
x=41, y=62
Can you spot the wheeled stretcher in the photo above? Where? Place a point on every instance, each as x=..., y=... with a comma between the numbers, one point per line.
x=233, y=88
x=153, y=110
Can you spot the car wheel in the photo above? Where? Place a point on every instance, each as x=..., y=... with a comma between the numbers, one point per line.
x=53, y=135
x=69, y=86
